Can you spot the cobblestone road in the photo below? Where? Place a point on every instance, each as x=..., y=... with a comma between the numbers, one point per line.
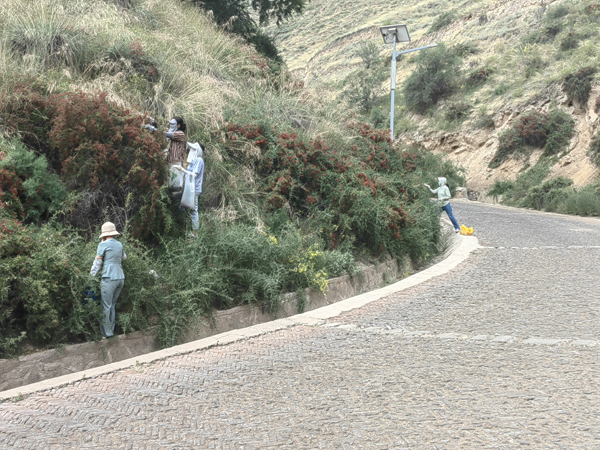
x=501, y=353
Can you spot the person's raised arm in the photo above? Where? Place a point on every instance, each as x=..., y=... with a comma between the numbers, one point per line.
x=433, y=191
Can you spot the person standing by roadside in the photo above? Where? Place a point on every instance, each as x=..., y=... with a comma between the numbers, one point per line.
x=176, y=136
x=443, y=193
x=196, y=167
x=109, y=256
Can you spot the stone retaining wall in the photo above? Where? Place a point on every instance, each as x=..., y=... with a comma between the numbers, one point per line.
x=74, y=358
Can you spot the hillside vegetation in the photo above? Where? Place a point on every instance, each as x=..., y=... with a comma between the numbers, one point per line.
x=296, y=190
x=503, y=60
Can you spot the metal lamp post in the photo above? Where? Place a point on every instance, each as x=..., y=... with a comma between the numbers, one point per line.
x=393, y=34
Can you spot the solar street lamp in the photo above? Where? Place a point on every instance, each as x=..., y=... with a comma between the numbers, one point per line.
x=393, y=34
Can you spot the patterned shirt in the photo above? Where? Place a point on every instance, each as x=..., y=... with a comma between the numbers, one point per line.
x=176, y=148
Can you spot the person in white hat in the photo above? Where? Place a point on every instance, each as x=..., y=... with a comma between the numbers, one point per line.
x=109, y=256
x=196, y=167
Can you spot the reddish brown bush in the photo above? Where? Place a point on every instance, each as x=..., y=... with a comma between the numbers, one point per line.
x=10, y=185
x=359, y=192
x=100, y=151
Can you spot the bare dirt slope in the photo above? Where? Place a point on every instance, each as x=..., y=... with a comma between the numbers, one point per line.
x=320, y=46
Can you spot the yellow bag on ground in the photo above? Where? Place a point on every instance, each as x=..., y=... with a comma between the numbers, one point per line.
x=466, y=231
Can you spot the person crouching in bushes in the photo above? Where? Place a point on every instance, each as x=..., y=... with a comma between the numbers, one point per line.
x=109, y=256
x=195, y=167
x=443, y=193
x=176, y=136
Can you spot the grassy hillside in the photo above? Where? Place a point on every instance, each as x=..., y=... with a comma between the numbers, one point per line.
x=296, y=189
x=516, y=55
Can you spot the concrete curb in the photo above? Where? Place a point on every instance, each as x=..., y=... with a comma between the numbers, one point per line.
x=311, y=318
x=74, y=358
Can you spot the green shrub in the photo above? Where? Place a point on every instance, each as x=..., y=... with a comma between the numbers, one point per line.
x=501, y=89
x=435, y=77
x=233, y=264
x=463, y=49
x=501, y=187
x=557, y=12
x=592, y=9
x=594, y=151
x=509, y=143
x=457, y=111
x=43, y=295
x=484, y=118
x=40, y=192
x=548, y=195
x=320, y=204
x=584, y=202
x=529, y=129
x=546, y=33
x=379, y=117
x=442, y=21
x=578, y=85
x=513, y=193
x=362, y=87
x=552, y=131
x=368, y=52
x=570, y=41
x=557, y=194
x=360, y=190
x=132, y=58
x=560, y=128
x=478, y=77
x=10, y=186
x=533, y=64
x=43, y=285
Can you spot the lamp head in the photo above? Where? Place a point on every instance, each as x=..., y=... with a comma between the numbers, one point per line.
x=395, y=33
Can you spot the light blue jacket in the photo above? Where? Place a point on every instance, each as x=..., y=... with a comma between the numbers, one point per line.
x=197, y=168
x=112, y=254
x=443, y=192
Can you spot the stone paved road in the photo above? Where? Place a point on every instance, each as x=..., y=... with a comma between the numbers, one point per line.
x=501, y=353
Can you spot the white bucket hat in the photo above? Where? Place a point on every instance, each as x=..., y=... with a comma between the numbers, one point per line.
x=195, y=151
x=109, y=229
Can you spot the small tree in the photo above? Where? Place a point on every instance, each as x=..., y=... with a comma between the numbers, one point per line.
x=578, y=85
x=434, y=78
x=363, y=86
x=238, y=16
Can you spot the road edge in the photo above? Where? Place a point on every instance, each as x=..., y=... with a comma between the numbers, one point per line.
x=312, y=318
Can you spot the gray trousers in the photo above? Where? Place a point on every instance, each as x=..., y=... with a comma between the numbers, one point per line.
x=109, y=290
x=193, y=213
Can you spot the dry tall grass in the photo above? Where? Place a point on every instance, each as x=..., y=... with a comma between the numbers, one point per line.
x=74, y=44
x=164, y=57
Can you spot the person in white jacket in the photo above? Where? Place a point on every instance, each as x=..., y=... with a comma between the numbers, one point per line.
x=443, y=193
x=196, y=167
